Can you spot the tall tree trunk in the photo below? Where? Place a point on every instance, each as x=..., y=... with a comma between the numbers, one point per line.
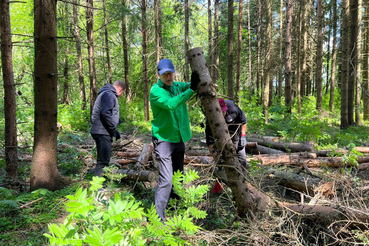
x=259, y=66
x=334, y=57
x=125, y=52
x=304, y=50
x=210, y=37
x=289, y=9
x=44, y=172
x=250, y=53
x=187, y=39
x=230, y=50
x=110, y=79
x=158, y=32
x=208, y=95
x=268, y=60
x=215, y=66
x=239, y=48
x=91, y=52
x=352, y=61
x=319, y=56
x=280, y=67
x=11, y=142
x=328, y=53
x=144, y=62
x=77, y=36
x=358, y=63
x=302, y=10
x=66, y=78
x=365, y=70
x=344, y=62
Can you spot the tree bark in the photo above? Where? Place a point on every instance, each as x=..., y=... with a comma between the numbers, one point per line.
x=319, y=57
x=344, y=64
x=365, y=70
x=294, y=147
x=139, y=175
x=210, y=37
x=66, y=78
x=158, y=32
x=230, y=91
x=187, y=39
x=125, y=52
x=144, y=62
x=287, y=75
x=110, y=79
x=215, y=67
x=77, y=36
x=250, y=80
x=358, y=64
x=10, y=105
x=280, y=67
x=91, y=52
x=239, y=48
x=44, y=172
x=301, y=160
x=334, y=56
x=268, y=61
x=209, y=99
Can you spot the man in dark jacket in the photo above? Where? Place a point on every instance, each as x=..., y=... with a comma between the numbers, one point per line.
x=105, y=119
x=236, y=120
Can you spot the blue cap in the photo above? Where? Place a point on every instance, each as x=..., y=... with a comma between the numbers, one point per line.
x=165, y=65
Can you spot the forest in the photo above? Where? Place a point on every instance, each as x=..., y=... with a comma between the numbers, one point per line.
x=298, y=69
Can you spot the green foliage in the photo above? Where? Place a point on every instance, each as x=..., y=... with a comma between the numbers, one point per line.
x=189, y=196
x=8, y=203
x=352, y=155
x=121, y=220
x=73, y=117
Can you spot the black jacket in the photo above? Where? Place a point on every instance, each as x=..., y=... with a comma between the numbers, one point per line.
x=234, y=118
x=105, y=114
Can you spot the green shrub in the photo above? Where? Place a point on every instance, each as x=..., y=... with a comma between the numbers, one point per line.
x=122, y=220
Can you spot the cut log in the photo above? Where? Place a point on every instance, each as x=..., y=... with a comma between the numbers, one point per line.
x=300, y=160
x=139, y=175
x=287, y=147
x=265, y=150
x=126, y=161
x=145, y=155
x=127, y=154
x=294, y=181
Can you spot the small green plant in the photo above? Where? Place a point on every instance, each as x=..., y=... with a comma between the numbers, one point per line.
x=121, y=220
x=351, y=156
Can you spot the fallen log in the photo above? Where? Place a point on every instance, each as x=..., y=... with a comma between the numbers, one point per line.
x=128, y=154
x=145, y=155
x=126, y=161
x=293, y=147
x=139, y=175
x=300, y=160
x=265, y=150
x=294, y=181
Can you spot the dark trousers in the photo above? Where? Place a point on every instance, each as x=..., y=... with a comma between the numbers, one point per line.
x=170, y=157
x=103, y=148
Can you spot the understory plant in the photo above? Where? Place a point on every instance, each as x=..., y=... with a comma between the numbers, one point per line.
x=95, y=218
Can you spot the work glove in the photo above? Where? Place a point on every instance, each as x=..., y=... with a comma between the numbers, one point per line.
x=243, y=141
x=195, y=79
x=116, y=134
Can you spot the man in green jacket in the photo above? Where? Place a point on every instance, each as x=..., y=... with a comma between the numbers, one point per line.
x=170, y=128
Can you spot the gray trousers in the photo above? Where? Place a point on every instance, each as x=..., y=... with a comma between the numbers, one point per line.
x=170, y=157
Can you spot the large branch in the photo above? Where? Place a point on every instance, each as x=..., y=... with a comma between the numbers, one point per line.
x=213, y=112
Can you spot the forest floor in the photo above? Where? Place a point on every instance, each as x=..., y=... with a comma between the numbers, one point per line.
x=27, y=222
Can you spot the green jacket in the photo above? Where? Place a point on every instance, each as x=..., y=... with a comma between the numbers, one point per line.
x=168, y=104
